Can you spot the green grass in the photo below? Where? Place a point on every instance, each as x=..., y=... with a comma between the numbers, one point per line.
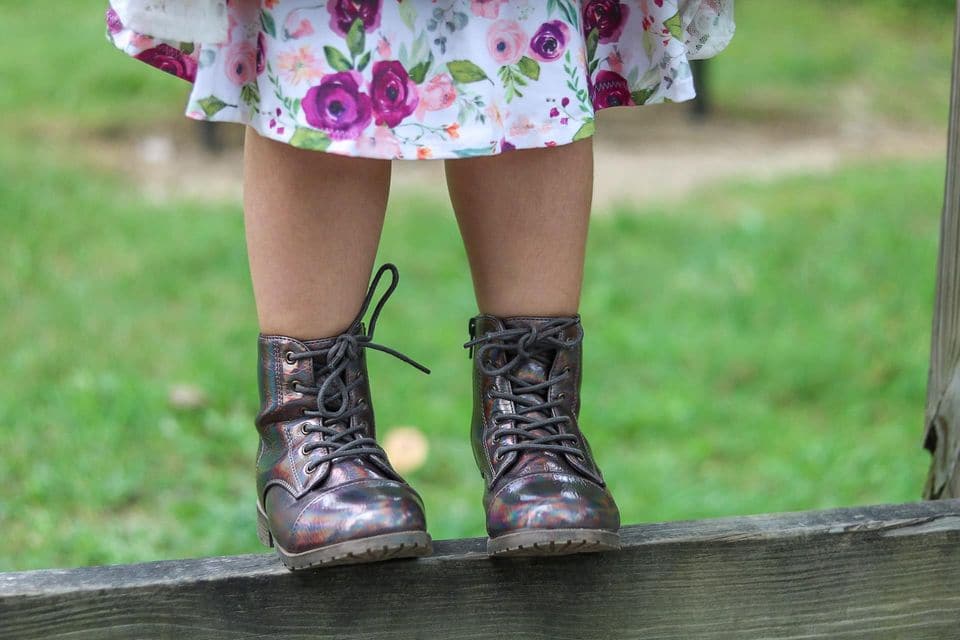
x=856, y=60
x=763, y=350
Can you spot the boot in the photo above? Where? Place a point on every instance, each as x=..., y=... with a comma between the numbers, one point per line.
x=326, y=492
x=544, y=493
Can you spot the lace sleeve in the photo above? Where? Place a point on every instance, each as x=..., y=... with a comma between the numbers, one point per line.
x=709, y=25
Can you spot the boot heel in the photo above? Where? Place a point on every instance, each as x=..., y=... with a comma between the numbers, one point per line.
x=263, y=529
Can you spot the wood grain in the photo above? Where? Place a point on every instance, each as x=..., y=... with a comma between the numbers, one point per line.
x=942, y=416
x=869, y=572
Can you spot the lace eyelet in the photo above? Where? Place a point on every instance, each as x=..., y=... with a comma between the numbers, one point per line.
x=309, y=469
x=561, y=395
x=303, y=428
x=303, y=451
x=288, y=356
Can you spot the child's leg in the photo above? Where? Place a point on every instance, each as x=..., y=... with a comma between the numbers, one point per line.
x=313, y=224
x=524, y=216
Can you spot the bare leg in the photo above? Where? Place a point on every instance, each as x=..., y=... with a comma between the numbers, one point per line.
x=313, y=224
x=524, y=216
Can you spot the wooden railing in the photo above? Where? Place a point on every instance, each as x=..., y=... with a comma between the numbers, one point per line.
x=868, y=572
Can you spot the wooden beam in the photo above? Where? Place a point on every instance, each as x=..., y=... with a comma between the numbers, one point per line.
x=942, y=416
x=868, y=572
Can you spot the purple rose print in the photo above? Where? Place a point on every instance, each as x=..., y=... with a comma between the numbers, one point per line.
x=171, y=60
x=344, y=12
x=550, y=41
x=261, y=53
x=392, y=92
x=610, y=89
x=337, y=106
x=114, y=26
x=608, y=17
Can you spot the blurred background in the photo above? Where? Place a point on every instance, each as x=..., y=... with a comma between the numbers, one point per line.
x=758, y=295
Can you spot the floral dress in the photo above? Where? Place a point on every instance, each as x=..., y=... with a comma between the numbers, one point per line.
x=437, y=78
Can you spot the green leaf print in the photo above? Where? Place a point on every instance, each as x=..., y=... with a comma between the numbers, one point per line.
x=641, y=96
x=363, y=61
x=408, y=14
x=512, y=79
x=649, y=43
x=212, y=105
x=336, y=59
x=250, y=94
x=310, y=139
x=466, y=71
x=187, y=47
x=475, y=152
x=529, y=67
x=268, y=24
x=585, y=131
x=418, y=73
x=675, y=25
x=569, y=11
x=593, y=38
x=356, y=38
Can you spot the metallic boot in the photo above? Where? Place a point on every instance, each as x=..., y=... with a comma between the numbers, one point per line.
x=544, y=493
x=326, y=491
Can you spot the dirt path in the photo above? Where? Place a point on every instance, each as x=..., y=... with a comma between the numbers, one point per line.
x=655, y=155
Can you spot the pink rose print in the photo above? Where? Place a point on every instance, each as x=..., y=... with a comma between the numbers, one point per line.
x=344, y=12
x=436, y=95
x=608, y=17
x=382, y=144
x=297, y=25
x=337, y=106
x=486, y=8
x=506, y=41
x=392, y=93
x=173, y=61
x=240, y=63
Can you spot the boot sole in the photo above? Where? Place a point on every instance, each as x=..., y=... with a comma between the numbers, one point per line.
x=553, y=542
x=388, y=546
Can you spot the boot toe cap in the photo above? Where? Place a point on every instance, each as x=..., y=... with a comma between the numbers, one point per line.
x=352, y=511
x=550, y=501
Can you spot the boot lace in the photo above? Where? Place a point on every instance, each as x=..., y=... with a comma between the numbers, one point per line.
x=334, y=405
x=522, y=344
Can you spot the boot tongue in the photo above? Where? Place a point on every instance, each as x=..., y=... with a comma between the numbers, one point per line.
x=535, y=370
x=347, y=469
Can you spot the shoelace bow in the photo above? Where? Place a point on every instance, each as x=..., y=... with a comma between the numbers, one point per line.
x=538, y=343
x=334, y=406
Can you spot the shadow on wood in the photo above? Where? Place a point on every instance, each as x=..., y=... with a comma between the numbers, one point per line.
x=868, y=572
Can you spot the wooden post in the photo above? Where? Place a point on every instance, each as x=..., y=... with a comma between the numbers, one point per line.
x=942, y=416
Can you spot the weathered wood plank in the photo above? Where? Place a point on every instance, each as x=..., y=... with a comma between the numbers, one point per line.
x=942, y=424
x=868, y=572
